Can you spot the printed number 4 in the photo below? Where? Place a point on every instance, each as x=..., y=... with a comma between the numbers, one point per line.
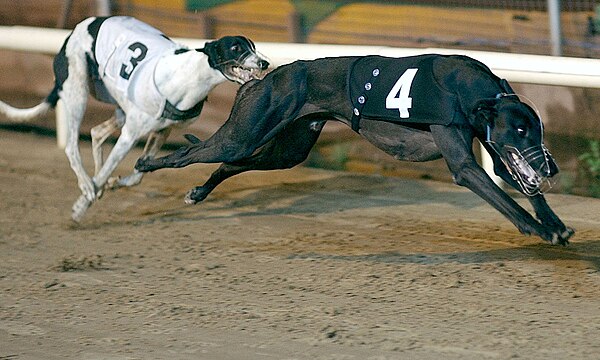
x=143, y=50
x=398, y=97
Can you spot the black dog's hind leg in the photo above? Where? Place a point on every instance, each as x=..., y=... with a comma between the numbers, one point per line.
x=543, y=212
x=289, y=148
x=260, y=111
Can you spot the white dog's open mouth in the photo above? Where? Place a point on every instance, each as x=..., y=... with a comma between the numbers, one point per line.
x=242, y=75
x=250, y=67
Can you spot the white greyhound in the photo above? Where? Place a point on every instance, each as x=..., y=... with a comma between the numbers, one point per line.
x=154, y=82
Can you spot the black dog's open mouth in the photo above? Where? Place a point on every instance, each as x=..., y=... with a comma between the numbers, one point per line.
x=532, y=180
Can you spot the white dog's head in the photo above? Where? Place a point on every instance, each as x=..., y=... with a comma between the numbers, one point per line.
x=236, y=58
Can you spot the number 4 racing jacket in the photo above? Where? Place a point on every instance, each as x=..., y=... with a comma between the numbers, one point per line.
x=401, y=90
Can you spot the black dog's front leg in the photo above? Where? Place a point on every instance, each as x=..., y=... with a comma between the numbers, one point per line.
x=561, y=233
x=455, y=145
x=543, y=212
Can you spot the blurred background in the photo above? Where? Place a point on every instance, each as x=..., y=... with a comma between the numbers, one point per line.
x=569, y=113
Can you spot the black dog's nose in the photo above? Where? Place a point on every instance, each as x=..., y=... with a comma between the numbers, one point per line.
x=263, y=64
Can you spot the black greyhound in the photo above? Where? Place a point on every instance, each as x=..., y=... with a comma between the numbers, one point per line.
x=416, y=108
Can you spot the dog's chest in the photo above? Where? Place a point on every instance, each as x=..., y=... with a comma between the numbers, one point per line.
x=399, y=90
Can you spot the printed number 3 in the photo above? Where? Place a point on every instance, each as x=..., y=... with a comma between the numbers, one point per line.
x=398, y=97
x=143, y=50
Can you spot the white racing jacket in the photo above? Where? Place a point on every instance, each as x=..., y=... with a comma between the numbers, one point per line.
x=127, y=52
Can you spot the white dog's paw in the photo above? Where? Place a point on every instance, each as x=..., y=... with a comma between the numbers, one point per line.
x=118, y=182
x=88, y=189
x=113, y=183
x=79, y=208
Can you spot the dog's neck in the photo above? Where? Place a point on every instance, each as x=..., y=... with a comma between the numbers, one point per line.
x=186, y=78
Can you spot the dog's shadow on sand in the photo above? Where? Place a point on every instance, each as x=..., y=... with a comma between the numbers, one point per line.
x=345, y=192
x=339, y=193
x=588, y=252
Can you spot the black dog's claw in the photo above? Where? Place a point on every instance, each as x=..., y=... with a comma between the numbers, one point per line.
x=562, y=238
x=192, y=139
x=196, y=195
x=566, y=235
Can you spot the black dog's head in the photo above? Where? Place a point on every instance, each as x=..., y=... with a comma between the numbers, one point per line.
x=236, y=58
x=516, y=133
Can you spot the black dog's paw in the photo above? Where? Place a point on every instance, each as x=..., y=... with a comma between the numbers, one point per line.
x=196, y=195
x=558, y=236
x=192, y=139
x=144, y=165
x=562, y=238
x=148, y=164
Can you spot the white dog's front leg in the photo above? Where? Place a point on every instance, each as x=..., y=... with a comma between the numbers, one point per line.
x=100, y=133
x=79, y=208
x=121, y=148
x=153, y=144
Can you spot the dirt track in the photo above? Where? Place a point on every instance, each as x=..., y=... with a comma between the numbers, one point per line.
x=298, y=264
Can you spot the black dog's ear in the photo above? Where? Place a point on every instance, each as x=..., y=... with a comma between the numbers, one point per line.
x=485, y=109
x=506, y=87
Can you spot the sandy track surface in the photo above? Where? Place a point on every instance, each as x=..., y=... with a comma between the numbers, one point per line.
x=297, y=264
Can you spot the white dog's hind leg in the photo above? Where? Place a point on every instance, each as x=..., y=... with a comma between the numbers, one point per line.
x=121, y=148
x=99, y=135
x=74, y=96
x=88, y=189
x=153, y=144
x=73, y=115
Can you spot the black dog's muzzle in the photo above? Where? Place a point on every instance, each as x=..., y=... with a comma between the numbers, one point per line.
x=532, y=180
x=532, y=168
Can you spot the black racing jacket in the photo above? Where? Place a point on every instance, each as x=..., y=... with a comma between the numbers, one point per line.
x=401, y=90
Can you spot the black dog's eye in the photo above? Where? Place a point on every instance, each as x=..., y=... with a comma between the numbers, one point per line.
x=235, y=48
x=521, y=131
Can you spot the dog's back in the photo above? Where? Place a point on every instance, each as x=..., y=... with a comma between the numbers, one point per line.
x=441, y=87
x=400, y=90
x=126, y=53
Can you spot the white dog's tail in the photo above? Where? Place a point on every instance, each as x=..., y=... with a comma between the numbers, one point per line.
x=24, y=115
